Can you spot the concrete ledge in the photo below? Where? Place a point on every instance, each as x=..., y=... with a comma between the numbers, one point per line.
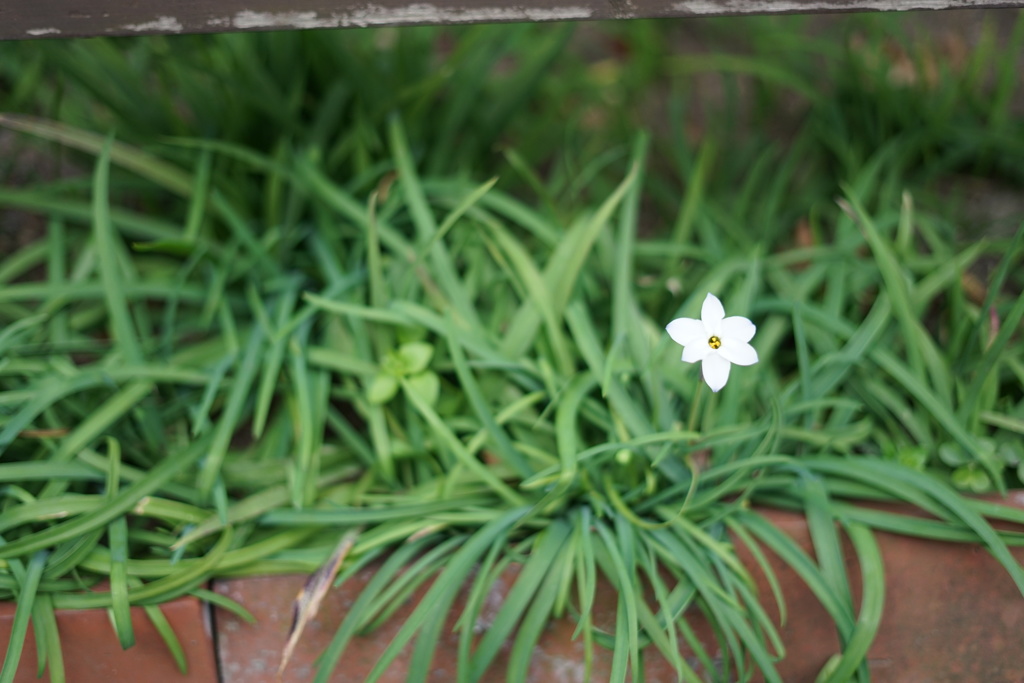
x=25, y=19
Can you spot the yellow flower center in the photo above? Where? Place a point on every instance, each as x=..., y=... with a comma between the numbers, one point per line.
x=714, y=342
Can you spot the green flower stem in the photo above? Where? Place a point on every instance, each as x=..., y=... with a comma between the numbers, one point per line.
x=691, y=425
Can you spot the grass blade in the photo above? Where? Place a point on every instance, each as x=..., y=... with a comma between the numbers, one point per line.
x=22, y=615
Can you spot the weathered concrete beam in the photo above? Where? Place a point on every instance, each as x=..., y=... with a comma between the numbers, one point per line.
x=20, y=19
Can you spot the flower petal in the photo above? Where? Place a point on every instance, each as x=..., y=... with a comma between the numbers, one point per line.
x=738, y=352
x=715, y=369
x=696, y=352
x=737, y=327
x=711, y=312
x=686, y=331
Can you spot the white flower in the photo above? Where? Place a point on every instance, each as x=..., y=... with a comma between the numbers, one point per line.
x=715, y=341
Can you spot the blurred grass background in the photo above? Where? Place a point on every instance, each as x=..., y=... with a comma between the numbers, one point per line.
x=552, y=107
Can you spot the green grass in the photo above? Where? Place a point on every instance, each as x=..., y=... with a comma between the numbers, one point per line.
x=414, y=301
